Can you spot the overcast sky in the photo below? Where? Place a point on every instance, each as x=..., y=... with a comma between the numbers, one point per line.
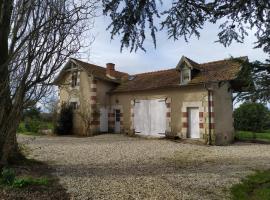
x=168, y=52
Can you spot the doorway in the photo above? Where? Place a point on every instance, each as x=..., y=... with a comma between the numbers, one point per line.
x=193, y=123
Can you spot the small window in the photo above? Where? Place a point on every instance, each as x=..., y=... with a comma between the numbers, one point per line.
x=117, y=115
x=74, y=79
x=185, y=75
x=74, y=105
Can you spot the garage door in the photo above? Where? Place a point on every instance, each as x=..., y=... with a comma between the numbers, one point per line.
x=150, y=117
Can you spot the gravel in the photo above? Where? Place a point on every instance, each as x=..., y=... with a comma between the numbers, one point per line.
x=119, y=167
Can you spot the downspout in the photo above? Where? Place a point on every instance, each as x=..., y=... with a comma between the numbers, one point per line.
x=209, y=93
x=209, y=116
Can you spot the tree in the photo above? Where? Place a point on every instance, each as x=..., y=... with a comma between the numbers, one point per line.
x=253, y=117
x=32, y=112
x=131, y=19
x=256, y=77
x=185, y=18
x=85, y=113
x=36, y=37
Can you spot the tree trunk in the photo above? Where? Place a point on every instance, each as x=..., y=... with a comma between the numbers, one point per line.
x=8, y=141
x=7, y=124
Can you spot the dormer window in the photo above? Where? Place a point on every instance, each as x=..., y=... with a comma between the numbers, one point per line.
x=185, y=75
x=188, y=69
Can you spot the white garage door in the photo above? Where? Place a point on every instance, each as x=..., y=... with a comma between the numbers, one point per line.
x=150, y=117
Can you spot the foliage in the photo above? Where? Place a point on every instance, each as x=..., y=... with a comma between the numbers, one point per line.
x=256, y=78
x=21, y=128
x=39, y=125
x=65, y=120
x=185, y=18
x=247, y=135
x=256, y=186
x=34, y=121
x=7, y=176
x=251, y=117
x=26, y=181
x=32, y=112
x=32, y=125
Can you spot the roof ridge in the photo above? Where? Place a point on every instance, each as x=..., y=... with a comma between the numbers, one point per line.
x=225, y=59
x=104, y=68
x=87, y=63
x=153, y=72
x=191, y=60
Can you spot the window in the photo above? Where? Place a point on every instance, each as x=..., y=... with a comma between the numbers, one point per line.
x=185, y=75
x=74, y=105
x=74, y=79
x=117, y=115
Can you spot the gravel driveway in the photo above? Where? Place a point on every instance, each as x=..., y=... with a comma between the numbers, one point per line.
x=121, y=167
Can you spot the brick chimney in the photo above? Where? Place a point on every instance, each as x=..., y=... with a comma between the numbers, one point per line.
x=110, y=70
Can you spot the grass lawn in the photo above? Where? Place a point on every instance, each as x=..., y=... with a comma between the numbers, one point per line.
x=247, y=135
x=34, y=128
x=254, y=187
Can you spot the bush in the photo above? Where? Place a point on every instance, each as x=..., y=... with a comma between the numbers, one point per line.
x=252, y=117
x=7, y=176
x=64, y=123
x=21, y=128
x=32, y=125
x=33, y=112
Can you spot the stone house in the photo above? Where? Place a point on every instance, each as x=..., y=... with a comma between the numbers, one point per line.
x=191, y=100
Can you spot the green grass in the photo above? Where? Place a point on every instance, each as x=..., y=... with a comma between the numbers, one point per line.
x=247, y=135
x=254, y=187
x=29, y=181
x=41, y=125
x=8, y=178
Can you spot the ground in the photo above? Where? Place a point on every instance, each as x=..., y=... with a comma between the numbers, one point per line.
x=121, y=167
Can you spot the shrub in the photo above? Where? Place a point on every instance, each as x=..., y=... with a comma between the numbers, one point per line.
x=251, y=117
x=64, y=123
x=21, y=128
x=32, y=125
x=7, y=176
x=33, y=112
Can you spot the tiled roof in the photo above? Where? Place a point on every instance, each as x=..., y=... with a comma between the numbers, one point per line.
x=223, y=70
x=151, y=80
x=100, y=72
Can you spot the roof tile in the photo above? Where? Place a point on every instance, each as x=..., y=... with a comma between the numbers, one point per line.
x=222, y=70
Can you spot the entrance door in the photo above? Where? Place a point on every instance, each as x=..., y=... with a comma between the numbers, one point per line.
x=117, y=127
x=193, y=123
x=103, y=119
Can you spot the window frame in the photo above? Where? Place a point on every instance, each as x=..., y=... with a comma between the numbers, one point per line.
x=182, y=81
x=117, y=115
x=74, y=78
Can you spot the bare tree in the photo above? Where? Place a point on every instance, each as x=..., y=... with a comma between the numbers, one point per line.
x=85, y=114
x=84, y=111
x=36, y=37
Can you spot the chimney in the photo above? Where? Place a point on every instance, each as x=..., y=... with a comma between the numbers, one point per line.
x=110, y=70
